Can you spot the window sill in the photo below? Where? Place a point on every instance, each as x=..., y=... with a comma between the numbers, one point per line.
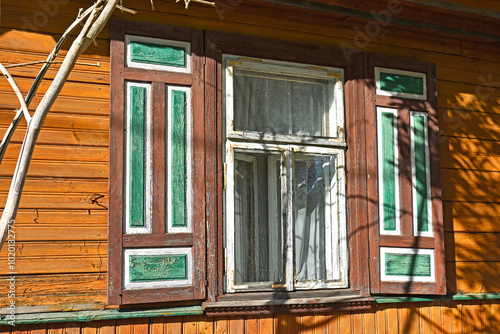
x=288, y=302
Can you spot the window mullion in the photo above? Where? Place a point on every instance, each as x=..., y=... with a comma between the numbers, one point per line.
x=290, y=274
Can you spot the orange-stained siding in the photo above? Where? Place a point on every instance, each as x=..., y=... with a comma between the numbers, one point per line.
x=425, y=318
x=62, y=222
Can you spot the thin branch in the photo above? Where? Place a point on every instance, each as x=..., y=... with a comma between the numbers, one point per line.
x=125, y=9
x=19, y=95
x=97, y=19
x=51, y=62
x=204, y=2
x=15, y=122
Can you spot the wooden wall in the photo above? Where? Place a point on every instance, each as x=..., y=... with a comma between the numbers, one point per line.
x=62, y=222
x=446, y=318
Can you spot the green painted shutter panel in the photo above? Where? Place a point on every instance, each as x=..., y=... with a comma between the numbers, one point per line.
x=406, y=245
x=136, y=156
x=144, y=268
x=158, y=54
x=400, y=83
x=388, y=165
x=408, y=264
x=421, y=173
x=178, y=157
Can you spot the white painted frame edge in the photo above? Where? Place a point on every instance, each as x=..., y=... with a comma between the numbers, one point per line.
x=149, y=166
x=188, y=159
x=336, y=110
x=380, y=166
x=398, y=278
x=398, y=94
x=429, y=233
x=158, y=284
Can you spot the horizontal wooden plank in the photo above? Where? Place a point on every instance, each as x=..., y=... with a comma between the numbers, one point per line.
x=25, y=40
x=469, y=124
x=62, y=217
x=487, y=74
x=62, y=137
x=63, y=121
x=469, y=185
x=66, y=104
x=45, y=232
x=61, y=201
x=474, y=277
x=70, y=89
x=80, y=73
x=62, y=153
x=156, y=240
x=463, y=247
x=473, y=154
x=59, y=185
x=67, y=169
x=59, y=265
x=471, y=217
x=54, y=286
x=460, y=96
x=35, y=250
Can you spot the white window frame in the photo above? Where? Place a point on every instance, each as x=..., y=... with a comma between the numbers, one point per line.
x=287, y=146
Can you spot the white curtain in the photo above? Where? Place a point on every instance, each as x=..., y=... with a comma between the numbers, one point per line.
x=275, y=105
x=309, y=219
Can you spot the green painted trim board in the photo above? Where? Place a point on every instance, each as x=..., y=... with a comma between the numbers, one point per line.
x=420, y=173
x=148, y=268
x=388, y=171
x=400, y=83
x=150, y=53
x=136, y=155
x=407, y=264
x=84, y=316
x=178, y=157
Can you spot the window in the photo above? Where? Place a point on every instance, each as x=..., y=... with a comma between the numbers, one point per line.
x=249, y=171
x=285, y=224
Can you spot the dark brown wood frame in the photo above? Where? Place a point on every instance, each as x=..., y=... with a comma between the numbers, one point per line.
x=117, y=239
x=404, y=106
x=216, y=45
x=207, y=237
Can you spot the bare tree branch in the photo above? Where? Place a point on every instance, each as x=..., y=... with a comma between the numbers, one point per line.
x=15, y=122
x=24, y=107
x=98, y=17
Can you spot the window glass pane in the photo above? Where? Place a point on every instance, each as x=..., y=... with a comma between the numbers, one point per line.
x=282, y=104
x=314, y=207
x=257, y=218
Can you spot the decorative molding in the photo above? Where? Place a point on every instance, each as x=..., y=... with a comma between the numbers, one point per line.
x=307, y=305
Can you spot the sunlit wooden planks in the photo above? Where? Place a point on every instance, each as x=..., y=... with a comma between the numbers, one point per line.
x=463, y=246
x=471, y=154
x=469, y=124
x=84, y=288
x=58, y=257
x=470, y=186
x=460, y=96
x=82, y=73
x=446, y=317
x=58, y=169
x=474, y=277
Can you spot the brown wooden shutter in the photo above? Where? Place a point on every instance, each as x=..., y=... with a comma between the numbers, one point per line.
x=404, y=188
x=157, y=185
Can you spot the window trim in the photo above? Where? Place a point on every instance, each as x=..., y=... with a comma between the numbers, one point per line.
x=405, y=107
x=119, y=240
x=218, y=44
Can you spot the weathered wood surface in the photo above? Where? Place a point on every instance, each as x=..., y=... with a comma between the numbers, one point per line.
x=430, y=318
x=70, y=165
